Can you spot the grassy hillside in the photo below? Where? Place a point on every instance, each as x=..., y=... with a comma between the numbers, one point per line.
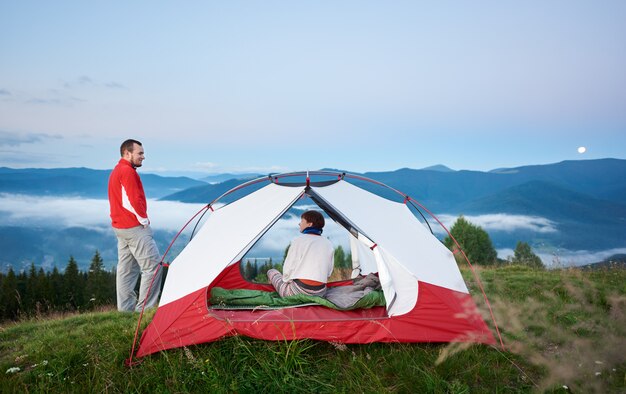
x=561, y=329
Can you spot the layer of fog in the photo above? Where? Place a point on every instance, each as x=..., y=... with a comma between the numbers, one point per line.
x=567, y=258
x=18, y=210
x=502, y=222
x=93, y=214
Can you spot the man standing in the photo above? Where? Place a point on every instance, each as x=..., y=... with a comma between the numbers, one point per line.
x=138, y=254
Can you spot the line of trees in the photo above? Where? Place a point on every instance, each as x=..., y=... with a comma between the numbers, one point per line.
x=35, y=292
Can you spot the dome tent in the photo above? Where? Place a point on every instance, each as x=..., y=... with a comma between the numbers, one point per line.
x=426, y=297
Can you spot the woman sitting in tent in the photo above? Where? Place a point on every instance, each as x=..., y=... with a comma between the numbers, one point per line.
x=309, y=261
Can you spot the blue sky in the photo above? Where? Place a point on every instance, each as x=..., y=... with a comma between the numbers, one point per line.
x=282, y=85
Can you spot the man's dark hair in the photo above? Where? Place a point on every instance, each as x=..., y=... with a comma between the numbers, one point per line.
x=128, y=145
x=314, y=217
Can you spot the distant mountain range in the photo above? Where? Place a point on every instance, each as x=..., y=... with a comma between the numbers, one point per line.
x=586, y=200
x=82, y=182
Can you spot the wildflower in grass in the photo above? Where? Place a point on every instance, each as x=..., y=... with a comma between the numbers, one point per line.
x=21, y=358
x=339, y=346
x=43, y=364
x=188, y=354
x=13, y=370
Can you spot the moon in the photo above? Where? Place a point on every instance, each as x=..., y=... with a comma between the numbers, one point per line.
x=582, y=149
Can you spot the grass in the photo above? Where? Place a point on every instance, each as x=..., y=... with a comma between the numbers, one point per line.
x=563, y=328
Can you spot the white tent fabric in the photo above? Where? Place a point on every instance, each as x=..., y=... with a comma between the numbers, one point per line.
x=225, y=236
x=363, y=261
x=396, y=230
x=232, y=230
x=392, y=242
x=386, y=278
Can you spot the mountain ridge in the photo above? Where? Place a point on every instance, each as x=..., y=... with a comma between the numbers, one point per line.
x=584, y=201
x=82, y=182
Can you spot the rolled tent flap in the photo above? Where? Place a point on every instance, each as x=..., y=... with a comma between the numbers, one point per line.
x=398, y=284
x=227, y=234
x=363, y=261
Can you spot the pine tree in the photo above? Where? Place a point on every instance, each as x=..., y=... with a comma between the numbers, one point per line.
x=30, y=297
x=340, y=257
x=524, y=255
x=73, y=287
x=97, y=287
x=9, y=304
x=248, y=272
x=44, y=296
x=20, y=293
x=56, y=289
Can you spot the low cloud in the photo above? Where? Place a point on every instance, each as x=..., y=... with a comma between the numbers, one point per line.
x=566, y=258
x=4, y=92
x=503, y=222
x=506, y=253
x=170, y=215
x=30, y=211
x=55, y=212
x=93, y=214
x=8, y=138
x=571, y=258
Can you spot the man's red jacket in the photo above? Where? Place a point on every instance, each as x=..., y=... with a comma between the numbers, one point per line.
x=126, y=197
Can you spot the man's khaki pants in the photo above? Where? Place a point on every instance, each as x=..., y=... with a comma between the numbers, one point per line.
x=138, y=255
